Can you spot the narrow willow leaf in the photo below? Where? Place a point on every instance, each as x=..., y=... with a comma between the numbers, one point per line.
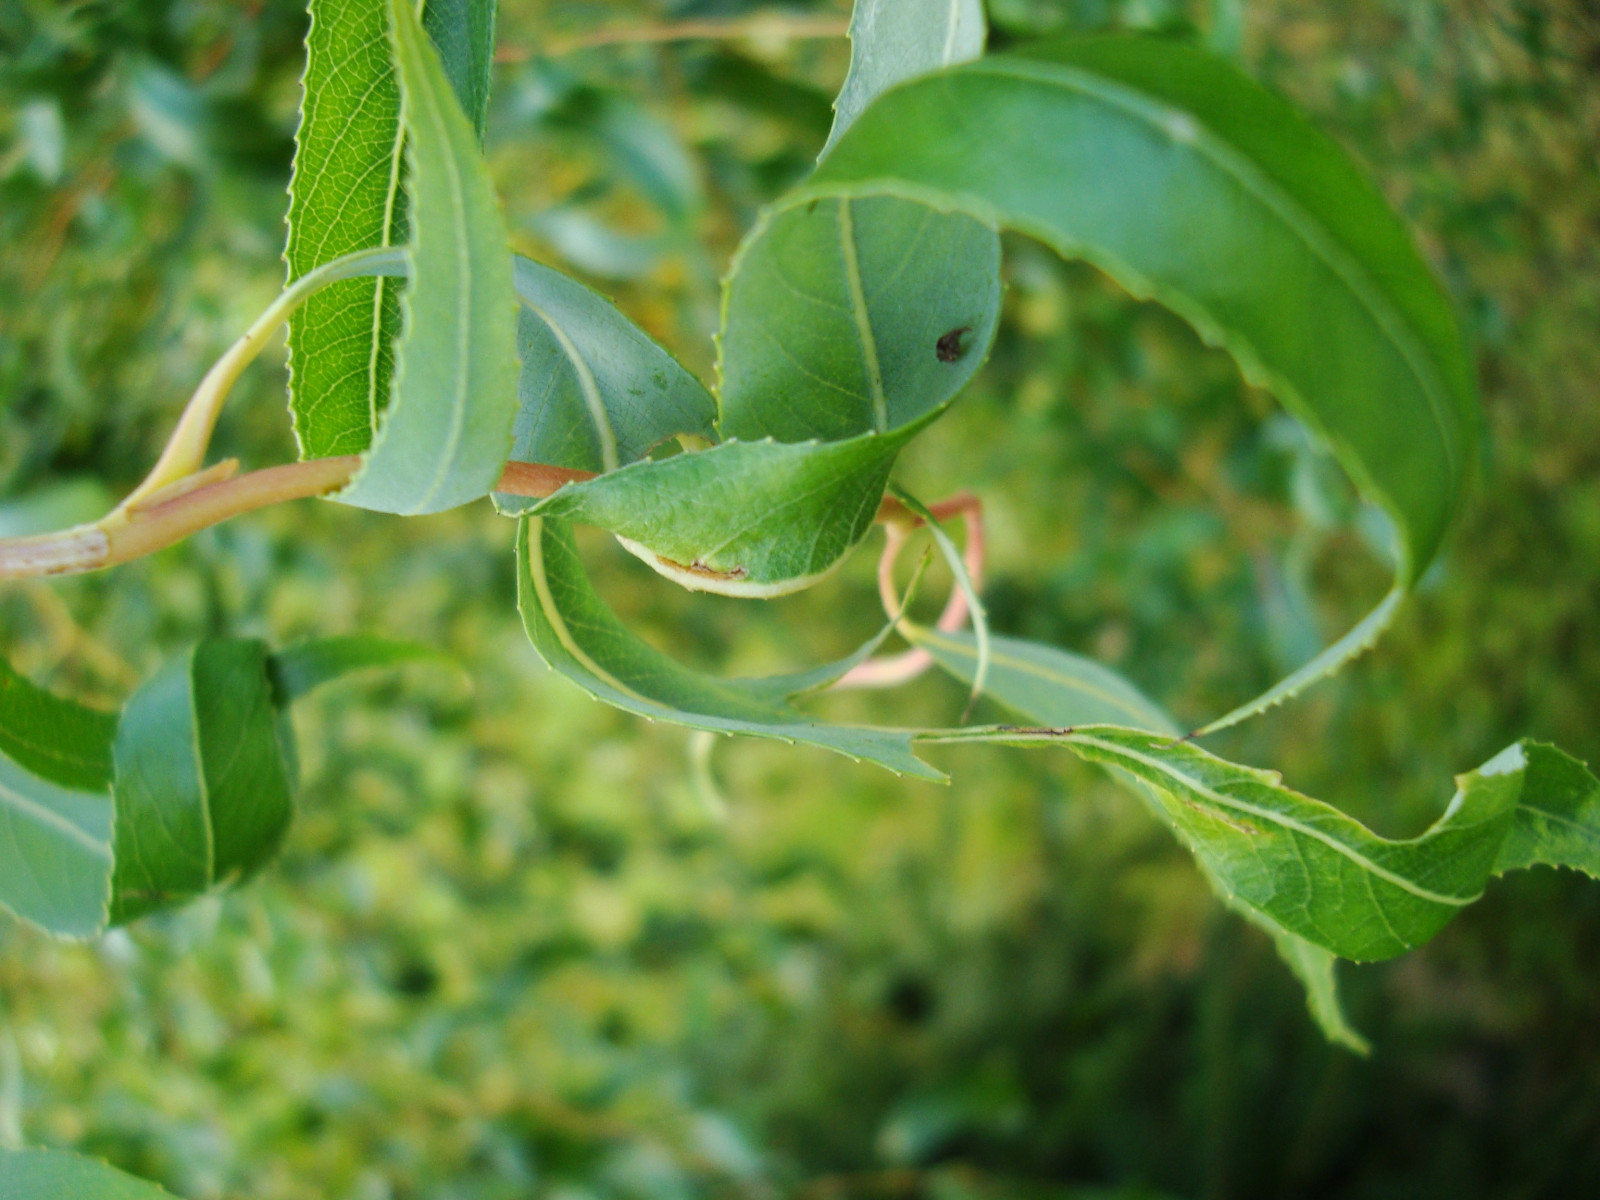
x=1045, y=685
x=1314, y=871
x=299, y=669
x=574, y=632
x=57, y=1175
x=55, y=808
x=893, y=40
x=595, y=391
x=1057, y=688
x=203, y=792
x=1323, y=876
x=755, y=519
x=346, y=194
x=1231, y=210
x=447, y=433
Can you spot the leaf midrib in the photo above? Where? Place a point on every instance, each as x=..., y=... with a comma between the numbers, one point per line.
x=1275, y=818
x=426, y=98
x=862, y=318
x=592, y=399
x=951, y=25
x=1023, y=666
x=30, y=808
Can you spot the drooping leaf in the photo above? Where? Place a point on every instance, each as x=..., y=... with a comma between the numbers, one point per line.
x=302, y=668
x=596, y=392
x=57, y=1175
x=1057, y=688
x=1554, y=818
x=755, y=519
x=203, y=792
x=347, y=194
x=1317, y=970
x=893, y=40
x=581, y=638
x=447, y=432
x=1323, y=876
x=848, y=316
x=55, y=808
x=1230, y=209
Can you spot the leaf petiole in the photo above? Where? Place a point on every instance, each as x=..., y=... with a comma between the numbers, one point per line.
x=186, y=448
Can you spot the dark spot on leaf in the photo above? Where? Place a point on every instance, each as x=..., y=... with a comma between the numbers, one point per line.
x=949, y=347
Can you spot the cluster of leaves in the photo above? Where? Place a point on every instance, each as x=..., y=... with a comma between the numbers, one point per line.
x=190, y=787
x=852, y=315
x=1321, y=883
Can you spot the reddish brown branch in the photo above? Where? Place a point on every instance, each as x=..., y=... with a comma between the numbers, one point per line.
x=160, y=522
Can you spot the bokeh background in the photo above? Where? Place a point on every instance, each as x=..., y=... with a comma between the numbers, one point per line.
x=520, y=945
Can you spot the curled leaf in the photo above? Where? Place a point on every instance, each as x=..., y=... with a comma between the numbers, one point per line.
x=1231, y=210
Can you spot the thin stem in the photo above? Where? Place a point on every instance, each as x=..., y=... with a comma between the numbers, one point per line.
x=899, y=522
x=186, y=448
x=177, y=498
x=761, y=27
x=144, y=529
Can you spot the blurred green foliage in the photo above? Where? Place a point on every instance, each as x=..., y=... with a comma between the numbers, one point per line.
x=524, y=945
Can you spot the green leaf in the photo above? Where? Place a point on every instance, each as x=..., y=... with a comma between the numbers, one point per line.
x=1045, y=685
x=1557, y=822
x=203, y=794
x=302, y=668
x=861, y=315
x=1265, y=868
x=1058, y=688
x=57, y=1175
x=1322, y=875
x=595, y=391
x=463, y=33
x=447, y=432
x=1318, y=972
x=893, y=40
x=54, y=738
x=845, y=316
x=1316, y=872
x=55, y=808
x=581, y=638
x=1188, y=183
x=752, y=519
x=346, y=194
